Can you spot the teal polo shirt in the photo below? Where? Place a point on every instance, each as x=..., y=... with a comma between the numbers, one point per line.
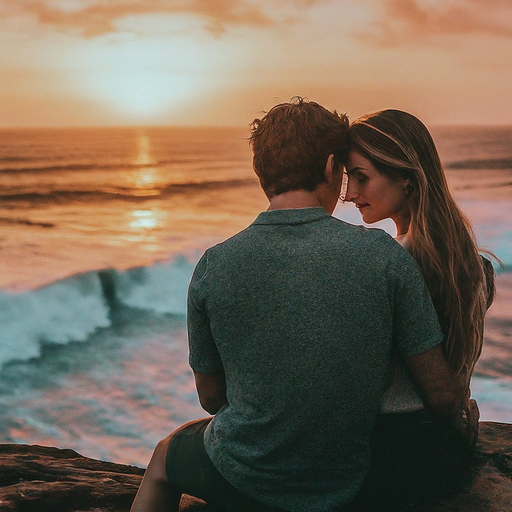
x=301, y=310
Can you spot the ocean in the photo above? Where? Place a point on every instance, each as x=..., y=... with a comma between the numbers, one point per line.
x=100, y=231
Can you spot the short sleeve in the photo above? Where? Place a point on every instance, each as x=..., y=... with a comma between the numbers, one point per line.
x=415, y=325
x=203, y=354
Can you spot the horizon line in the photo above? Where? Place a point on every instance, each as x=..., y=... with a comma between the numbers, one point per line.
x=213, y=126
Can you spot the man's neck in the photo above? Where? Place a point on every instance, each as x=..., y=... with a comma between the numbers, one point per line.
x=294, y=199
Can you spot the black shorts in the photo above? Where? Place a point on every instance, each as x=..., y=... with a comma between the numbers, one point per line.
x=190, y=471
x=416, y=458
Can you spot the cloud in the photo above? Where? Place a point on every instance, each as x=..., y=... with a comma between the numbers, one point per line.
x=98, y=17
x=406, y=21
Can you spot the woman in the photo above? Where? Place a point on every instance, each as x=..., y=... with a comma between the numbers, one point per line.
x=395, y=172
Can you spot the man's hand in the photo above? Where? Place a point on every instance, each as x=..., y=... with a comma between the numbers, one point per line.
x=211, y=390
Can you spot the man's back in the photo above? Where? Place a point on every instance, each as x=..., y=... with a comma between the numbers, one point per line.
x=291, y=324
x=299, y=310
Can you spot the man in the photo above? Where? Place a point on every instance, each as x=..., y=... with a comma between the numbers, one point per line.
x=291, y=323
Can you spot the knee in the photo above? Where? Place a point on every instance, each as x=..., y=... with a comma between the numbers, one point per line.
x=162, y=447
x=157, y=464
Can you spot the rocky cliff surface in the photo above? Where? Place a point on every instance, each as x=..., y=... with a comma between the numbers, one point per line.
x=44, y=479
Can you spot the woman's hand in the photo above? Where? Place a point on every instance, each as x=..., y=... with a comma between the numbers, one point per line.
x=468, y=425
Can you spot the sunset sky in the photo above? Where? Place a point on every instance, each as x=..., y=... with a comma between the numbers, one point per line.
x=220, y=62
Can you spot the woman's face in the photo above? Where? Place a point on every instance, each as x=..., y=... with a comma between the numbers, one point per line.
x=376, y=196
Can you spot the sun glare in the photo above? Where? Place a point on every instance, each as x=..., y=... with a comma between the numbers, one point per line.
x=145, y=81
x=142, y=94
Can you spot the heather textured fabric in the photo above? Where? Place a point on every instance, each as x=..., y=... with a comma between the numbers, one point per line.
x=301, y=310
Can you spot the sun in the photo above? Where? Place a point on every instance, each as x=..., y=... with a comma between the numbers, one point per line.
x=142, y=94
x=146, y=80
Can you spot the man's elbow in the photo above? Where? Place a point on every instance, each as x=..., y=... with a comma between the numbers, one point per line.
x=211, y=405
x=211, y=390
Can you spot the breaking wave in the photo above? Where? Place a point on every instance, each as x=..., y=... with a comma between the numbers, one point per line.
x=72, y=309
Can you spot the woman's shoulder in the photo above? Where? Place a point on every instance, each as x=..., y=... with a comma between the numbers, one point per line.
x=488, y=266
x=404, y=241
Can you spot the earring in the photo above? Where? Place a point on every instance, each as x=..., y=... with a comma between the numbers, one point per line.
x=409, y=188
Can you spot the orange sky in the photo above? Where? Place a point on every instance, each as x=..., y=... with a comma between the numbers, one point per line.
x=220, y=62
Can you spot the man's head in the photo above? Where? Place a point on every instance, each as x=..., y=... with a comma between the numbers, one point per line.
x=292, y=143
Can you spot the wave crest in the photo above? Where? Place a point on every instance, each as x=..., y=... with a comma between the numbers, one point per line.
x=72, y=309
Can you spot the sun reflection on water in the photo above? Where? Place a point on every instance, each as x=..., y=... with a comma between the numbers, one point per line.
x=144, y=179
x=144, y=219
x=144, y=148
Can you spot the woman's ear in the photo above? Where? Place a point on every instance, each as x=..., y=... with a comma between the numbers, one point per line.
x=406, y=183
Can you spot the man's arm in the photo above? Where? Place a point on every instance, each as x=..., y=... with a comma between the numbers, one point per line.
x=211, y=390
x=443, y=392
x=204, y=358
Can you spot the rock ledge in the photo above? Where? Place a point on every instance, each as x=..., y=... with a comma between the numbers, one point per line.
x=44, y=479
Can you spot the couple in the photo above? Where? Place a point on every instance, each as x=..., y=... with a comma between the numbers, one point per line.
x=337, y=378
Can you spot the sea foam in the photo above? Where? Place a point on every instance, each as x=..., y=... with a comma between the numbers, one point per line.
x=73, y=308
x=161, y=287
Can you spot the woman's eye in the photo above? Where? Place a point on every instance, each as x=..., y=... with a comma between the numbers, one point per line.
x=363, y=179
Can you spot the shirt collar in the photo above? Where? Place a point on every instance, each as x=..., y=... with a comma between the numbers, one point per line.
x=292, y=216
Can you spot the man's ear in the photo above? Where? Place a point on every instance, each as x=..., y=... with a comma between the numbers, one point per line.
x=329, y=170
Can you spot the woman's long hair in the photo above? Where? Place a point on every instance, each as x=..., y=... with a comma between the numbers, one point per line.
x=442, y=240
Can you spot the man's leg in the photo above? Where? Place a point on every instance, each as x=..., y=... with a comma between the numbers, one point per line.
x=179, y=465
x=155, y=494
